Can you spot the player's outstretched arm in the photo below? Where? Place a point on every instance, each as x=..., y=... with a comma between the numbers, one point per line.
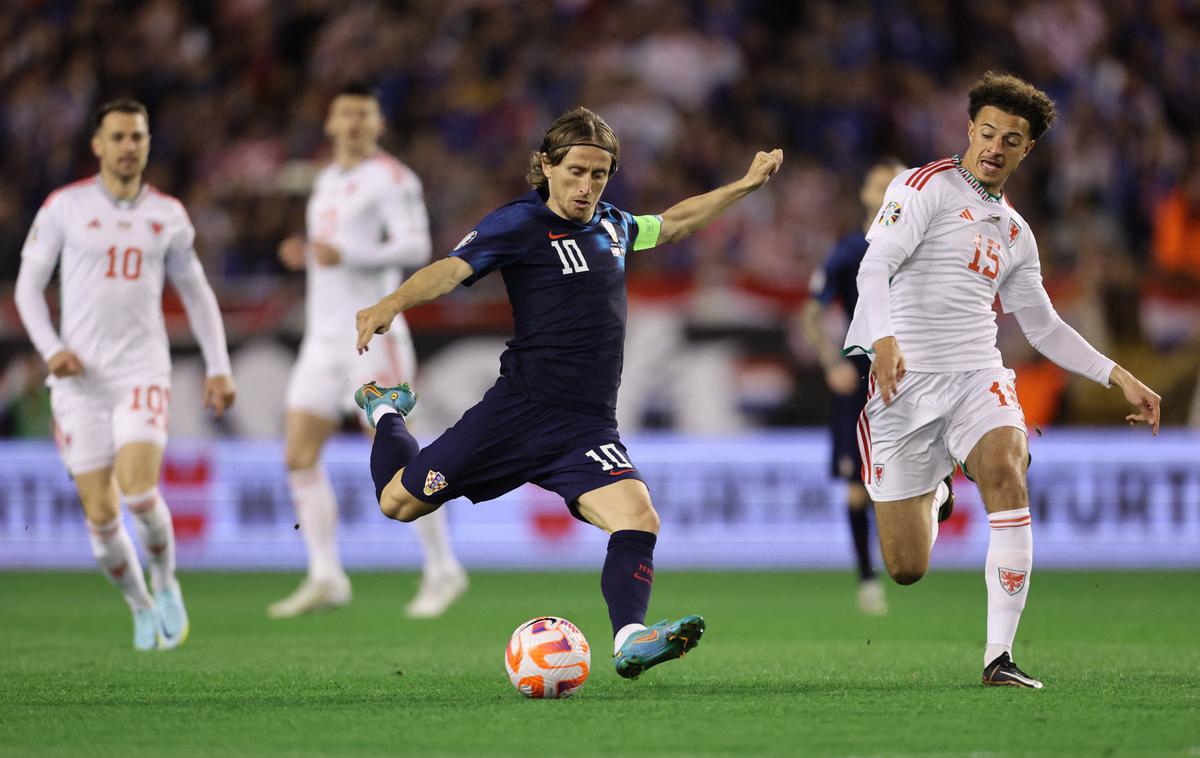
x=1147, y=405
x=691, y=215
x=204, y=316
x=426, y=285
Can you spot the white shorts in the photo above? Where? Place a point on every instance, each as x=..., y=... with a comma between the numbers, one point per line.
x=94, y=419
x=327, y=372
x=934, y=421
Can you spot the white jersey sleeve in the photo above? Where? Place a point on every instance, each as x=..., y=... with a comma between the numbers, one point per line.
x=898, y=229
x=39, y=257
x=904, y=219
x=199, y=301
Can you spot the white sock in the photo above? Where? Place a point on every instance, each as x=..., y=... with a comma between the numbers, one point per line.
x=152, y=520
x=382, y=411
x=440, y=560
x=316, y=507
x=1009, y=564
x=119, y=561
x=940, y=495
x=623, y=634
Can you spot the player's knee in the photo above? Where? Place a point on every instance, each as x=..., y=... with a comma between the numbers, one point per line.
x=647, y=520
x=1004, y=484
x=906, y=574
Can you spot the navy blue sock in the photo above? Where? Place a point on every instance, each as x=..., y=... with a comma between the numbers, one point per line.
x=393, y=448
x=628, y=576
x=860, y=530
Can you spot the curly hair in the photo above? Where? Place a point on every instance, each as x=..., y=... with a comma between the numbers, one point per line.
x=1013, y=95
x=578, y=126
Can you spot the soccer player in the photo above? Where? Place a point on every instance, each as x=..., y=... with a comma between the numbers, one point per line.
x=366, y=219
x=550, y=418
x=847, y=376
x=946, y=242
x=114, y=238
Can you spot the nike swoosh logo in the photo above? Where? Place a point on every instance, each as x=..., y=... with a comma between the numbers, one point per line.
x=162, y=628
x=622, y=471
x=554, y=236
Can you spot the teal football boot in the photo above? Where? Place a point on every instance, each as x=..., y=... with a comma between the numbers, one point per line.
x=145, y=629
x=371, y=396
x=665, y=641
x=173, y=626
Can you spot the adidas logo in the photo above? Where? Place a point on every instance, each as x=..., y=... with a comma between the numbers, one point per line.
x=966, y=214
x=95, y=224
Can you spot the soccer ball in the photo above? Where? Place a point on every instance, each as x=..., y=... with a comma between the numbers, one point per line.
x=547, y=657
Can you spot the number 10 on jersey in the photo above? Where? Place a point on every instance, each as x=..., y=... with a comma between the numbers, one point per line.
x=131, y=263
x=571, y=256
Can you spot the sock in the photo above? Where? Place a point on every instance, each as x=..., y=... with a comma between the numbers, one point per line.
x=440, y=560
x=940, y=495
x=623, y=634
x=119, y=561
x=152, y=519
x=628, y=577
x=392, y=449
x=1009, y=564
x=316, y=508
x=859, y=530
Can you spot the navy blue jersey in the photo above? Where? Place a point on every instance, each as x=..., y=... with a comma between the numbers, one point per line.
x=837, y=279
x=566, y=284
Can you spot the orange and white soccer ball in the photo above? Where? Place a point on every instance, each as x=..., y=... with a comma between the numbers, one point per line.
x=548, y=657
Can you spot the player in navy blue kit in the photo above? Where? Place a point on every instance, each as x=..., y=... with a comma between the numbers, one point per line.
x=550, y=419
x=847, y=377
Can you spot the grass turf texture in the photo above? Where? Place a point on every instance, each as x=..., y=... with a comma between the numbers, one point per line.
x=788, y=666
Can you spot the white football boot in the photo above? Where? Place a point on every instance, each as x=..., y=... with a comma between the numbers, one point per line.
x=313, y=595
x=871, y=599
x=437, y=593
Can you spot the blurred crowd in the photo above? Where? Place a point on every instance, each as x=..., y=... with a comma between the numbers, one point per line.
x=237, y=91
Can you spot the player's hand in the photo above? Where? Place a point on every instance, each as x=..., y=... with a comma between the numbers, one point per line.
x=888, y=367
x=842, y=377
x=374, y=320
x=326, y=254
x=292, y=253
x=219, y=393
x=65, y=363
x=1146, y=403
x=763, y=166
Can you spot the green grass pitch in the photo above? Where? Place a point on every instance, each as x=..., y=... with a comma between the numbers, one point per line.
x=788, y=667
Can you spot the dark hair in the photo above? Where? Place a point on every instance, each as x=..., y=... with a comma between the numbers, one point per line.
x=1016, y=96
x=578, y=126
x=120, y=105
x=358, y=89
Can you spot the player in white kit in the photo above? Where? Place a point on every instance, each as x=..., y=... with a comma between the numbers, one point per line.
x=114, y=239
x=366, y=219
x=945, y=243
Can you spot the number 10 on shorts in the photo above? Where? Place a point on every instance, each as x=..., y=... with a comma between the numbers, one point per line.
x=616, y=459
x=1005, y=393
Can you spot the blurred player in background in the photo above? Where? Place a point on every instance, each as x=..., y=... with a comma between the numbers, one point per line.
x=550, y=419
x=945, y=243
x=847, y=376
x=366, y=219
x=110, y=363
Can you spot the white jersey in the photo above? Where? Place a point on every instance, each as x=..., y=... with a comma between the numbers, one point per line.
x=374, y=214
x=113, y=257
x=951, y=247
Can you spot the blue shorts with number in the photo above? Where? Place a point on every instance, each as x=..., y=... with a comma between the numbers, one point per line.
x=506, y=440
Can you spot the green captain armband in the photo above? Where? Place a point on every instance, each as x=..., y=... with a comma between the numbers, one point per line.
x=648, y=229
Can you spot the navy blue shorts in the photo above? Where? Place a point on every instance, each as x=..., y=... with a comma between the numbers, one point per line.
x=506, y=440
x=844, y=410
